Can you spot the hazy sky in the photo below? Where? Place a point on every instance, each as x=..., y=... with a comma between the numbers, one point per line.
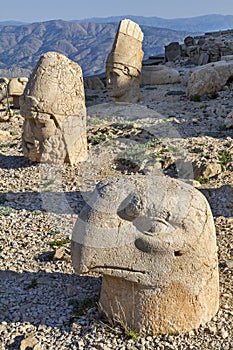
x=42, y=10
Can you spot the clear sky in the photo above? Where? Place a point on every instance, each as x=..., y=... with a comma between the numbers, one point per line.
x=42, y=10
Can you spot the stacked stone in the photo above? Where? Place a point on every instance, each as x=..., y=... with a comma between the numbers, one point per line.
x=202, y=49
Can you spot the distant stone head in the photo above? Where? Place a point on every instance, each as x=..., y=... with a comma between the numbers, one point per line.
x=124, y=63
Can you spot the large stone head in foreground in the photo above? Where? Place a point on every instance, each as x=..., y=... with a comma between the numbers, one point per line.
x=153, y=239
x=124, y=63
x=53, y=105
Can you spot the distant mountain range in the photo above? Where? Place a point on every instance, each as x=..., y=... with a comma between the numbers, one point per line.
x=89, y=41
x=194, y=24
x=88, y=44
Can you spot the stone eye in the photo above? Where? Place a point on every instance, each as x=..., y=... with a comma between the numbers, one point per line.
x=130, y=208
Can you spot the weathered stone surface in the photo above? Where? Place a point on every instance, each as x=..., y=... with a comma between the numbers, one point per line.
x=3, y=88
x=16, y=88
x=206, y=170
x=153, y=239
x=159, y=75
x=124, y=63
x=93, y=83
x=227, y=58
x=189, y=41
x=209, y=78
x=200, y=50
x=173, y=52
x=29, y=342
x=53, y=105
x=4, y=135
x=229, y=121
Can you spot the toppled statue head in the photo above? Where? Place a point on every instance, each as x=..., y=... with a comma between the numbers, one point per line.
x=153, y=239
x=53, y=105
x=124, y=63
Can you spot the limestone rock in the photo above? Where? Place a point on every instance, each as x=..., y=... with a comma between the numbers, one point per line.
x=189, y=41
x=229, y=121
x=3, y=88
x=227, y=58
x=93, y=83
x=206, y=170
x=4, y=135
x=124, y=63
x=173, y=52
x=29, y=342
x=159, y=75
x=53, y=105
x=153, y=239
x=16, y=88
x=209, y=78
x=200, y=50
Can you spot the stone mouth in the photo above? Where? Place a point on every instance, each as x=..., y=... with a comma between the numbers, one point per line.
x=115, y=268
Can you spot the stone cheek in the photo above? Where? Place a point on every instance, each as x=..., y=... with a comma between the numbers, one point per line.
x=53, y=105
x=124, y=88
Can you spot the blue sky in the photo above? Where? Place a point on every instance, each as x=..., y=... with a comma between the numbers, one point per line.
x=42, y=10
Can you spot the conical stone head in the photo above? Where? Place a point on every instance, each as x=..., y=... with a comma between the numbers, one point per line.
x=53, y=105
x=124, y=63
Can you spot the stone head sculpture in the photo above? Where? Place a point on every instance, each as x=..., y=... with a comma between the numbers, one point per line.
x=153, y=239
x=53, y=105
x=124, y=63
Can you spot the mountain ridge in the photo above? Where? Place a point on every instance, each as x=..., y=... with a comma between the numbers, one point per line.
x=87, y=43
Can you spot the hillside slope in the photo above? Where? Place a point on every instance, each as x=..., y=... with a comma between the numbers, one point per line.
x=85, y=43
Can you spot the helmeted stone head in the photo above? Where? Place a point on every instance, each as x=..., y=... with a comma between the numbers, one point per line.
x=124, y=63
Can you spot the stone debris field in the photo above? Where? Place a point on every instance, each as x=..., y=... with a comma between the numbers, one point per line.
x=44, y=304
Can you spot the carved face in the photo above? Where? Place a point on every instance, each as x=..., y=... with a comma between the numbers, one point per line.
x=38, y=127
x=141, y=228
x=118, y=81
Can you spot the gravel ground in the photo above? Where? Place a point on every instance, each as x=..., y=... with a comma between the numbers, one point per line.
x=43, y=303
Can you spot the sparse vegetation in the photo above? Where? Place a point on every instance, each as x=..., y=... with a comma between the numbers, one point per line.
x=59, y=243
x=80, y=307
x=195, y=98
x=225, y=158
x=202, y=180
x=6, y=211
x=33, y=284
x=37, y=212
x=54, y=232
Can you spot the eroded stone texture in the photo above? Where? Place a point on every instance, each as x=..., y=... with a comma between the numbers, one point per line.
x=229, y=121
x=159, y=75
x=16, y=88
x=210, y=78
x=173, y=52
x=124, y=63
x=153, y=239
x=53, y=105
x=210, y=47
